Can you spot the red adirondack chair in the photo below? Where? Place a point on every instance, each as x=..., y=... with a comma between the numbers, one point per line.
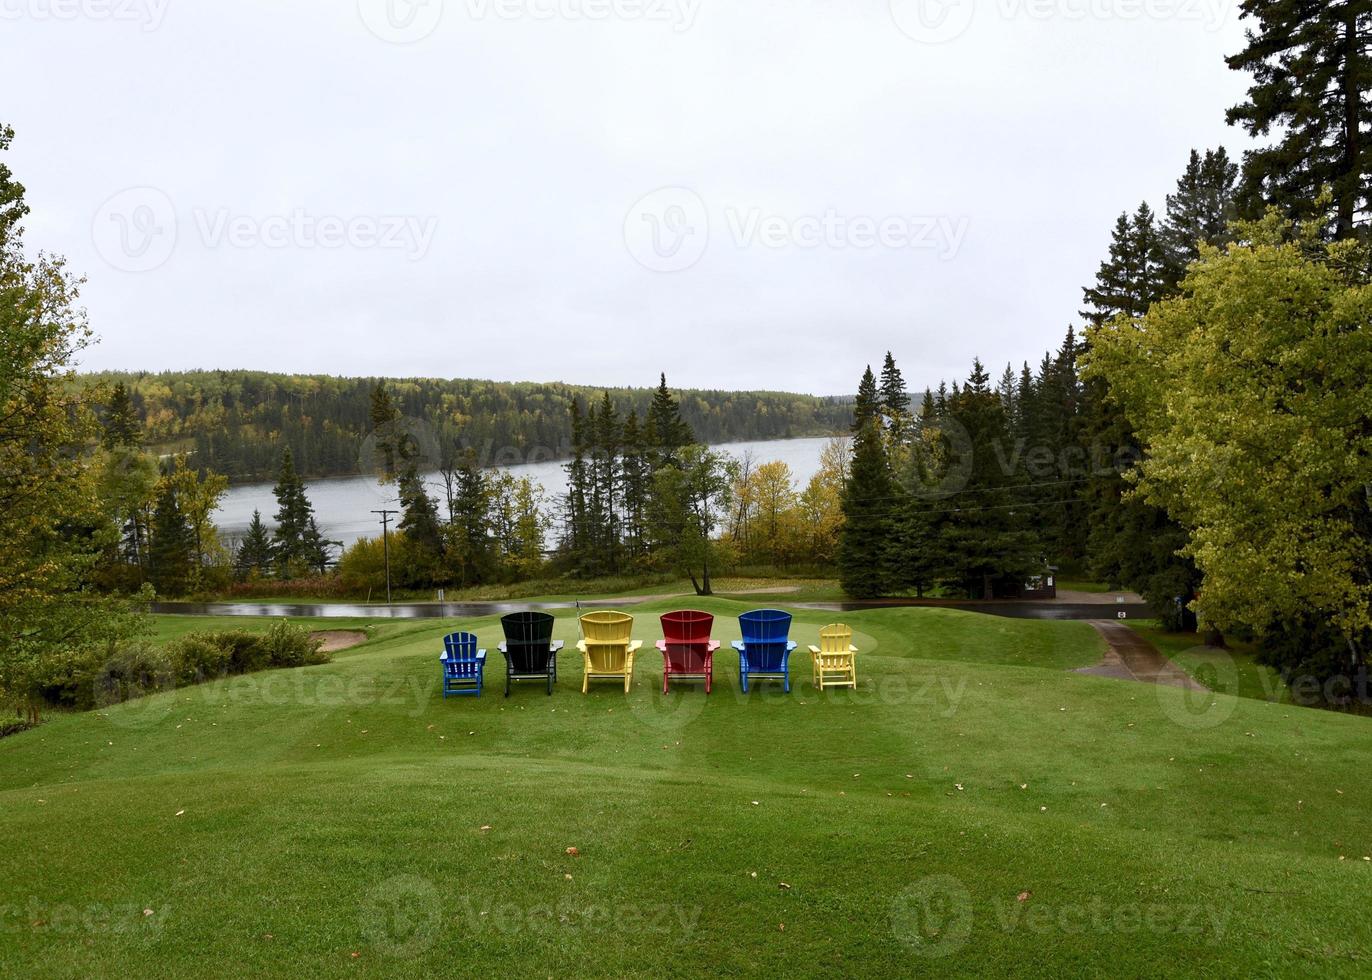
x=687, y=650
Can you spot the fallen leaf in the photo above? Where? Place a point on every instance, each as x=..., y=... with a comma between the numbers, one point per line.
x=1023, y=896
x=783, y=886
x=147, y=912
x=180, y=812
x=573, y=852
x=566, y=877
x=781, y=927
x=485, y=826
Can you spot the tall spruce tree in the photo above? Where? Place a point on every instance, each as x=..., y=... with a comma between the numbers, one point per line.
x=668, y=433
x=1200, y=211
x=869, y=514
x=635, y=485
x=984, y=528
x=1311, y=62
x=1133, y=278
x=121, y=424
x=295, y=547
x=172, y=546
x=254, y=557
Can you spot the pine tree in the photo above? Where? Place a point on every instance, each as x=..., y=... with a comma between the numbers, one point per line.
x=1312, y=74
x=577, y=536
x=423, y=532
x=1133, y=278
x=121, y=424
x=294, y=550
x=384, y=417
x=1201, y=210
x=254, y=557
x=469, y=547
x=895, y=400
x=668, y=433
x=867, y=408
x=635, y=485
x=869, y=513
x=172, y=544
x=984, y=529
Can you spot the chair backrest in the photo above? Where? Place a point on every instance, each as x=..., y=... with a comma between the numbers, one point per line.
x=607, y=627
x=766, y=633
x=461, y=654
x=835, y=639
x=687, y=636
x=528, y=640
x=607, y=639
x=687, y=626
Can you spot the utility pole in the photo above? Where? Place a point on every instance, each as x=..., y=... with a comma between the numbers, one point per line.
x=386, y=516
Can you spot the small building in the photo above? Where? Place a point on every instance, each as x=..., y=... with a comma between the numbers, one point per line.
x=1040, y=586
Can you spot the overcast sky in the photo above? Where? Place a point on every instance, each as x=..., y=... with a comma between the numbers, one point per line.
x=756, y=194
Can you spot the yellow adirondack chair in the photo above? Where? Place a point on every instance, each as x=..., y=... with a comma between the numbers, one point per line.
x=608, y=648
x=835, y=659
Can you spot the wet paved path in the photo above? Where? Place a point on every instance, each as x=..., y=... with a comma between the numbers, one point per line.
x=1132, y=658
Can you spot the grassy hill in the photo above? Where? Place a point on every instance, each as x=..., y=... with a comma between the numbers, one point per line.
x=975, y=808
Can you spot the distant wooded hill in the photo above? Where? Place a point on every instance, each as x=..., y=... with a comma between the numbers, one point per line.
x=238, y=422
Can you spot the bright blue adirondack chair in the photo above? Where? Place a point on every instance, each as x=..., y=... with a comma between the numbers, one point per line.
x=765, y=650
x=463, y=665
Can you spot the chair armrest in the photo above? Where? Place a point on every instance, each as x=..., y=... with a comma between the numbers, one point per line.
x=635, y=645
x=581, y=645
x=556, y=647
x=443, y=659
x=712, y=647
x=503, y=649
x=814, y=650
x=791, y=645
x=738, y=645
x=481, y=655
x=662, y=646
x=852, y=649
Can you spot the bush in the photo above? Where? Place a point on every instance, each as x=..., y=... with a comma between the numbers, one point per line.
x=93, y=677
x=15, y=726
x=291, y=646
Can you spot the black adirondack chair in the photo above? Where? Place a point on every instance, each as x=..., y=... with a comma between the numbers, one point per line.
x=529, y=649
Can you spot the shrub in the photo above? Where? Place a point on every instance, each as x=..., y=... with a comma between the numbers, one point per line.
x=102, y=675
x=14, y=726
x=285, y=645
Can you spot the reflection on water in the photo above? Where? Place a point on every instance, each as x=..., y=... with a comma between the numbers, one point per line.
x=344, y=505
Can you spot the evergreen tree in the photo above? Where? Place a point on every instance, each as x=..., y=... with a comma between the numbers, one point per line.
x=469, y=546
x=668, y=433
x=1133, y=278
x=636, y=483
x=867, y=408
x=1312, y=74
x=294, y=547
x=869, y=511
x=1201, y=210
x=255, y=552
x=895, y=401
x=121, y=424
x=384, y=417
x=984, y=529
x=423, y=532
x=172, y=544
x=577, y=537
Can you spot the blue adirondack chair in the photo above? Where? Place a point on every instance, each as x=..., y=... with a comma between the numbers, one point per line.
x=765, y=650
x=463, y=665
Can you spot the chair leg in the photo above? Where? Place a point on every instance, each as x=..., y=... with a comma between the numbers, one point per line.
x=550, y=685
x=507, y=685
x=665, y=675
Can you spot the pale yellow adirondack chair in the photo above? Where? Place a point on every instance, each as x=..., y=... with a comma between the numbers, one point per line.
x=608, y=648
x=835, y=659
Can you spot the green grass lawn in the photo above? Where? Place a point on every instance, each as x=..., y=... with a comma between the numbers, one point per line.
x=1233, y=670
x=975, y=808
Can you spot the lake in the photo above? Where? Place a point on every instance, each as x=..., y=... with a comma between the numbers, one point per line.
x=343, y=505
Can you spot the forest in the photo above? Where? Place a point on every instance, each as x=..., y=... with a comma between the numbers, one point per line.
x=237, y=423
